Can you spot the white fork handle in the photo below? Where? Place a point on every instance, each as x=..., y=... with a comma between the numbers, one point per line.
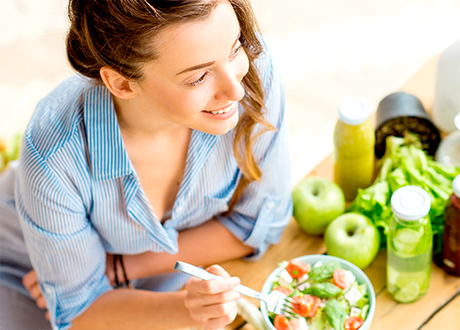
x=204, y=275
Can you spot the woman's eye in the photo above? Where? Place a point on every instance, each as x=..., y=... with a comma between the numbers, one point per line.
x=200, y=80
x=236, y=51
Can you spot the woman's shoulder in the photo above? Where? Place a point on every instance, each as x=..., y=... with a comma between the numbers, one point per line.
x=274, y=97
x=264, y=64
x=57, y=116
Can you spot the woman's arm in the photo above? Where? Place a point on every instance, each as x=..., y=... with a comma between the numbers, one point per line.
x=207, y=244
x=208, y=304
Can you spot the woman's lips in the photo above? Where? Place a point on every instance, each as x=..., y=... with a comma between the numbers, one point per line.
x=223, y=113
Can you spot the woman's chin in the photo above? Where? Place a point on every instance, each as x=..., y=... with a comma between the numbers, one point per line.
x=219, y=127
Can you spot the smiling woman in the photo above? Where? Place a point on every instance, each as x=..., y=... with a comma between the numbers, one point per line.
x=169, y=144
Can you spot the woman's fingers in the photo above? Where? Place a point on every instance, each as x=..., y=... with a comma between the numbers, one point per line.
x=213, y=303
x=41, y=303
x=35, y=291
x=30, y=279
x=109, y=271
x=30, y=282
x=202, y=299
x=212, y=286
x=218, y=270
x=219, y=322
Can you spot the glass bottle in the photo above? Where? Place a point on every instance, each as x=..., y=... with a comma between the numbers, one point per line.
x=449, y=149
x=446, y=103
x=409, y=244
x=354, y=140
x=451, y=242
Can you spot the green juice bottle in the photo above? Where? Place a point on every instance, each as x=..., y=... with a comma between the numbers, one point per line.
x=354, y=140
x=409, y=245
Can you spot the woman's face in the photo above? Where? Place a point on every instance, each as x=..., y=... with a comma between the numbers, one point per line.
x=196, y=80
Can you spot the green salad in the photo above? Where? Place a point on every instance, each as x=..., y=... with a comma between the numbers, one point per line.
x=322, y=297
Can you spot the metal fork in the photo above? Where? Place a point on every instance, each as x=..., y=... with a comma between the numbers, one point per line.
x=276, y=301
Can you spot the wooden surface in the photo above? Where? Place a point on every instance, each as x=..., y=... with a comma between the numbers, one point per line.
x=438, y=309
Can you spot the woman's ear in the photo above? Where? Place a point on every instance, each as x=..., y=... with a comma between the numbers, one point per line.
x=118, y=85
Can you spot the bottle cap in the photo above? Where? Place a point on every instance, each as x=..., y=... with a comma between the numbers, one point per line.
x=353, y=111
x=410, y=203
x=456, y=186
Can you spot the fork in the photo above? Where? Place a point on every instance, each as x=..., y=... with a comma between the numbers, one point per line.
x=276, y=302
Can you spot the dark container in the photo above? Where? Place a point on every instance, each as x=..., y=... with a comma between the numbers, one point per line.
x=400, y=112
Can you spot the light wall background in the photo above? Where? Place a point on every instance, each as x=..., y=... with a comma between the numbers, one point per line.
x=325, y=51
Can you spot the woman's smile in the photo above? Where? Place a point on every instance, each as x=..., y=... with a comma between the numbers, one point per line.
x=223, y=113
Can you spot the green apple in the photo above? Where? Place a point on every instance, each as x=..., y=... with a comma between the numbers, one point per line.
x=353, y=237
x=317, y=201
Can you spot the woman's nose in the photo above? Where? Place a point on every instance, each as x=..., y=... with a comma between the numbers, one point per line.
x=230, y=87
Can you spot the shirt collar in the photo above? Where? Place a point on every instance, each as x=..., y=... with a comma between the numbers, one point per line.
x=108, y=155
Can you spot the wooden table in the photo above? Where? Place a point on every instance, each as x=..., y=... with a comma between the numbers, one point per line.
x=438, y=309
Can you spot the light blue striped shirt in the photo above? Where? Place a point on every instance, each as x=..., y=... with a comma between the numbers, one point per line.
x=78, y=195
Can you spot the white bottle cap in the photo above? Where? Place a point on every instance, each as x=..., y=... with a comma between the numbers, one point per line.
x=410, y=203
x=353, y=111
x=456, y=186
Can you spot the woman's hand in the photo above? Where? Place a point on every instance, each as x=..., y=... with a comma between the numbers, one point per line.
x=30, y=282
x=212, y=303
x=109, y=271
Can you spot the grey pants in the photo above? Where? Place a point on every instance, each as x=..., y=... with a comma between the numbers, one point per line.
x=20, y=312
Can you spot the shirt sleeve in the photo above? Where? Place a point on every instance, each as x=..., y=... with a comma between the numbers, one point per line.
x=265, y=208
x=64, y=248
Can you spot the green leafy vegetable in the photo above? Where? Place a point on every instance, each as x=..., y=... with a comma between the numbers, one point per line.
x=323, y=290
x=323, y=272
x=335, y=314
x=318, y=322
x=405, y=163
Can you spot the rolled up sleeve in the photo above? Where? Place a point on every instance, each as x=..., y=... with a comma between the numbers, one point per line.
x=65, y=250
x=265, y=208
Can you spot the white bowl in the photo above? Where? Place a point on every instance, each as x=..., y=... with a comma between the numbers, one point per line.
x=312, y=259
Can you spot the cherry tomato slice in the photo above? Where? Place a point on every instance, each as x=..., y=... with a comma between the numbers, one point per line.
x=353, y=323
x=315, y=306
x=284, y=289
x=302, y=305
x=282, y=323
x=306, y=305
x=297, y=268
x=339, y=277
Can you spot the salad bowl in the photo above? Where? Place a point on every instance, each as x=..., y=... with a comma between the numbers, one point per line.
x=316, y=259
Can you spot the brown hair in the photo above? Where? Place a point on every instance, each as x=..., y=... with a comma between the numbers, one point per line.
x=118, y=34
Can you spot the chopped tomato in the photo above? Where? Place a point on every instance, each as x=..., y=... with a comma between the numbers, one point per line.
x=306, y=305
x=282, y=323
x=353, y=323
x=314, y=309
x=284, y=289
x=339, y=278
x=297, y=268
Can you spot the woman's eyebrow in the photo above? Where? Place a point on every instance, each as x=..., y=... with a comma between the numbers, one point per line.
x=196, y=67
x=205, y=65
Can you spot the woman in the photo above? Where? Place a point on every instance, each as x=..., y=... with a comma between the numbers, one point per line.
x=170, y=144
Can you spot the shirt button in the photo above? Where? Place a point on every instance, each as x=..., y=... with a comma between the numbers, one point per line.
x=270, y=205
x=179, y=209
x=47, y=290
